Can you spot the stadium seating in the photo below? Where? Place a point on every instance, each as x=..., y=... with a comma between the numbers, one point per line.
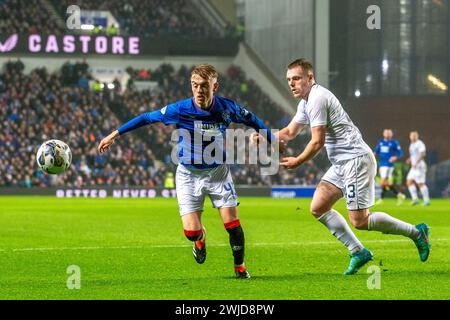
x=17, y=16
x=150, y=18
x=40, y=106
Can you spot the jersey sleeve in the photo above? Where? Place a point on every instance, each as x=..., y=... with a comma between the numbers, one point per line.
x=300, y=116
x=422, y=147
x=318, y=115
x=398, y=150
x=167, y=115
x=242, y=115
x=377, y=148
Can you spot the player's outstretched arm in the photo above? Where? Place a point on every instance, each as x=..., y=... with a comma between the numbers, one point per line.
x=376, y=151
x=107, y=141
x=133, y=124
x=286, y=134
x=290, y=132
x=399, y=150
x=166, y=115
x=311, y=149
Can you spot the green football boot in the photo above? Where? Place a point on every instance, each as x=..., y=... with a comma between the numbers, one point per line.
x=357, y=260
x=423, y=243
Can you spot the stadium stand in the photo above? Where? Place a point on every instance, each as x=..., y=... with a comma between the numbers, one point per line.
x=17, y=16
x=151, y=18
x=39, y=106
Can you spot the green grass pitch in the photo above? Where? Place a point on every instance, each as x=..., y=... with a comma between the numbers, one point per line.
x=135, y=249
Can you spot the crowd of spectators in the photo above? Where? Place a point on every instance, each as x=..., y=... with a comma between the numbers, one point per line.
x=30, y=16
x=149, y=18
x=39, y=106
x=175, y=85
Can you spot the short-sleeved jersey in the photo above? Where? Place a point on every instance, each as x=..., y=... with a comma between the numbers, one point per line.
x=343, y=139
x=415, y=149
x=203, y=130
x=386, y=149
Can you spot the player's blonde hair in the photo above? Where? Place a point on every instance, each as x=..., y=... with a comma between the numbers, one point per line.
x=206, y=71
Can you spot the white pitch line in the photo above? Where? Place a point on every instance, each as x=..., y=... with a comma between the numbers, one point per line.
x=257, y=244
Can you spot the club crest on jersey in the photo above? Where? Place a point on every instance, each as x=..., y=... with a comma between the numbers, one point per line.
x=226, y=116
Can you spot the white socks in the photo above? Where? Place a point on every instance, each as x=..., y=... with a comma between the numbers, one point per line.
x=413, y=191
x=380, y=221
x=339, y=227
x=423, y=190
x=425, y=194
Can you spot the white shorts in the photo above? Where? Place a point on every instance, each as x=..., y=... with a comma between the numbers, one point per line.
x=193, y=185
x=386, y=172
x=418, y=174
x=356, y=179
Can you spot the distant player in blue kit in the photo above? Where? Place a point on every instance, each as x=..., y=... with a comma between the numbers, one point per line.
x=389, y=151
x=204, y=115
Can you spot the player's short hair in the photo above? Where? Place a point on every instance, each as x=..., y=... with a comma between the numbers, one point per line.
x=206, y=71
x=303, y=63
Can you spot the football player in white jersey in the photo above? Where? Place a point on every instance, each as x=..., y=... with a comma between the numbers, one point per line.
x=353, y=170
x=418, y=172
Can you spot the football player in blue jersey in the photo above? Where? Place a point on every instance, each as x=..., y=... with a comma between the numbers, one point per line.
x=206, y=115
x=389, y=151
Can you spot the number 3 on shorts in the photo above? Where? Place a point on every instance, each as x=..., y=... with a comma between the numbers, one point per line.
x=351, y=191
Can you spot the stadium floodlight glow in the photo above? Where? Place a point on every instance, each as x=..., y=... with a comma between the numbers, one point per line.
x=357, y=93
x=385, y=66
x=438, y=83
x=87, y=27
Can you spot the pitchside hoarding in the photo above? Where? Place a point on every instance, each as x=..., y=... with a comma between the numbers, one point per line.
x=140, y=192
x=117, y=45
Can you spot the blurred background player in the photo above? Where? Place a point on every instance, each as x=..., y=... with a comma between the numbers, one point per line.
x=389, y=151
x=208, y=115
x=418, y=172
x=352, y=173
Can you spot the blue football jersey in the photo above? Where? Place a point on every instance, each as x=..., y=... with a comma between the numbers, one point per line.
x=387, y=149
x=200, y=129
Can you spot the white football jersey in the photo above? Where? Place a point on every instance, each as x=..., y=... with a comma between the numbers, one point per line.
x=343, y=139
x=415, y=149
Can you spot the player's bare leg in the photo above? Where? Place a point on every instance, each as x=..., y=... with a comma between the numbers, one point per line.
x=324, y=198
x=384, y=184
x=237, y=240
x=194, y=231
x=379, y=221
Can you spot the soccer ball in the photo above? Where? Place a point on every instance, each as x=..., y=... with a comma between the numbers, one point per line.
x=54, y=156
